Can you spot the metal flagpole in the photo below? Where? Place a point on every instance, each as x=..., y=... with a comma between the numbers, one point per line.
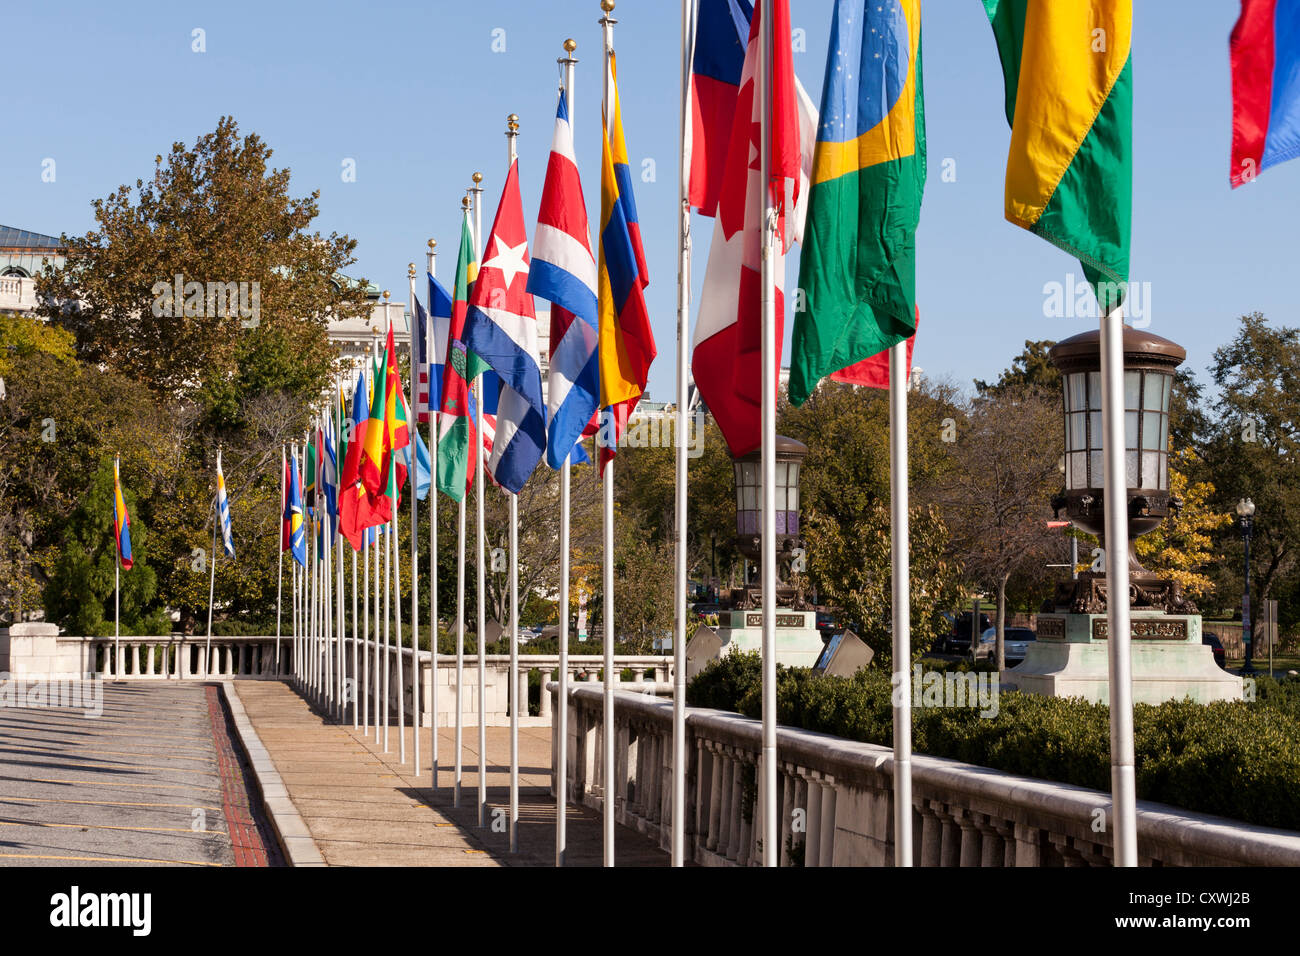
x=430, y=341
x=212, y=581
x=512, y=136
x=562, y=715
x=397, y=633
x=365, y=593
x=607, y=508
x=327, y=624
x=341, y=626
x=900, y=564
x=279, y=566
x=770, y=253
x=466, y=205
x=376, y=619
x=1122, y=775
x=356, y=674
x=117, y=574
x=683, y=367
x=481, y=534
x=413, y=427
x=388, y=559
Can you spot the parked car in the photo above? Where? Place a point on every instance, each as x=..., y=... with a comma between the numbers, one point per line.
x=1216, y=648
x=703, y=609
x=826, y=625
x=1016, y=641
x=958, y=639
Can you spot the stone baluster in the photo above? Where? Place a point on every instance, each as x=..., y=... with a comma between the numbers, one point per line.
x=931, y=834
x=544, y=710
x=1029, y=845
x=718, y=838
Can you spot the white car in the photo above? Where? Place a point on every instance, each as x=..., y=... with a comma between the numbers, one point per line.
x=1016, y=641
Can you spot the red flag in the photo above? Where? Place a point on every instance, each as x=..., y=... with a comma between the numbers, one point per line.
x=874, y=372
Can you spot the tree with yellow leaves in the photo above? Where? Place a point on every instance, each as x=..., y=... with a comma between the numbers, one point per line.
x=1182, y=546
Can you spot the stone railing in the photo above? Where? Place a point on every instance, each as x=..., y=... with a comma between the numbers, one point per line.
x=17, y=293
x=836, y=801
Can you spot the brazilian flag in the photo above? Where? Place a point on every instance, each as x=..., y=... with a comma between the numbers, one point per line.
x=857, y=270
x=1069, y=100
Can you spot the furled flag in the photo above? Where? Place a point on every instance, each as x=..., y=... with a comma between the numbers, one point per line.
x=310, y=467
x=1265, y=87
x=121, y=522
x=420, y=359
x=626, y=344
x=857, y=270
x=329, y=471
x=501, y=333
x=727, y=363
x=1070, y=106
x=293, y=514
x=721, y=34
x=397, y=432
x=223, y=511
x=564, y=272
x=456, y=429
x=440, y=313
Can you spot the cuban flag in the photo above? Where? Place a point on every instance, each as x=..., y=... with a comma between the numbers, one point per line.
x=501, y=333
x=721, y=36
x=223, y=511
x=564, y=272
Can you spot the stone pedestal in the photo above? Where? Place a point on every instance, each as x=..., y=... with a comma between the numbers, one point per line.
x=1070, y=659
x=33, y=649
x=798, y=642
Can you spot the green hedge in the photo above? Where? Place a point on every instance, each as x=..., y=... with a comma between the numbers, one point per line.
x=1234, y=759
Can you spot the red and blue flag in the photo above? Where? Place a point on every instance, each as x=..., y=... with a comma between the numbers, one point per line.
x=1265, y=49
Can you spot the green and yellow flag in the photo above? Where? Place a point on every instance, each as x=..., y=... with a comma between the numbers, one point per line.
x=857, y=270
x=1069, y=100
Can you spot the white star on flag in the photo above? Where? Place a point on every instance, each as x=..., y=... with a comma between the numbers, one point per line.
x=509, y=259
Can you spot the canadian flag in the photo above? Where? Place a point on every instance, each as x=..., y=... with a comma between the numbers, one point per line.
x=727, y=360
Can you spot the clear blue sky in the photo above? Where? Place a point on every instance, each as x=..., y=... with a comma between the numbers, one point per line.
x=414, y=93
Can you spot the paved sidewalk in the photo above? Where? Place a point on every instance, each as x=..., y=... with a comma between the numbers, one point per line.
x=152, y=780
x=364, y=808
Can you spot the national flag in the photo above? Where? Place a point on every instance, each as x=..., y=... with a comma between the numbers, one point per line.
x=857, y=270
x=293, y=514
x=310, y=469
x=396, y=420
x=420, y=359
x=359, y=508
x=456, y=430
x=440, y=315
x=501, y=333
x=371, y=465
x=717, y=62
x=626, y=344
x=873, y=372
x=329, y=471
x=727, y=361
x=223, y=511
x=1265, y=50
x=121, y=522
x=1070, y=105
x=564, y=272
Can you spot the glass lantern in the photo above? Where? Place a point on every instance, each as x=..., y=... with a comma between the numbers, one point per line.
x=749, y=496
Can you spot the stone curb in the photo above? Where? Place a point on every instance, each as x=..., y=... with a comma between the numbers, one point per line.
x=290, y=828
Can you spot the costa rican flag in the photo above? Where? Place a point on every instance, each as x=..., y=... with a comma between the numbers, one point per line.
x=564, y=272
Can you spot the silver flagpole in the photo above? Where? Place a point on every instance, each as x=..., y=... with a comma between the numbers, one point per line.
x=365, y=593
x=327, y=580
x=388, y=559
x=341, y=626
x=1122, y=779
x=608, y=732
x=413, y=429
x=512, y=136
x=466, y=205
x=481, y=534
x=562, y=714
x=212, y=580
x=279, y=565
x=901, y=600
x=377, y=618
x=400, y=677
x=770, y=253
x=683, y=371
x=117, y=575
x=356, y=635
x=430, y=341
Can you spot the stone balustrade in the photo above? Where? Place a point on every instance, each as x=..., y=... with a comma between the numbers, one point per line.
x=836, y=800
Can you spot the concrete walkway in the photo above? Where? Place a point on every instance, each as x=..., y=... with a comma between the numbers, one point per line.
x=364, y=808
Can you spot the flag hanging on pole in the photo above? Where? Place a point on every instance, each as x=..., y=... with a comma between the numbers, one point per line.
x=857, y=271
x=1265, y=49
x=420, y=369
x=564, y=272
x=456, y=427
x=329, y=472
x=121, y=522
x=1070, y=106
x=626, y=344
x=359, y=508
x=371, y=464
x=717, y=63
x=440, y=314
x=727, y=364
x=223, y=511
x=293, y=514
x=397, y=433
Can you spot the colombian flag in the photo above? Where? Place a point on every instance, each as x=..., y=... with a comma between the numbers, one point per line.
x=1265, y=87
x=626, y=343
x=121, y=522
x=858, y=268
x=1069, y=100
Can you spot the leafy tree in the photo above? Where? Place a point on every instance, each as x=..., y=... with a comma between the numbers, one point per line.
x=1031, y=368
x=1183, y=546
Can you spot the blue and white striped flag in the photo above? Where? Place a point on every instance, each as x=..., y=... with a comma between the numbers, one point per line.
x=564, y=271
x=223, y=510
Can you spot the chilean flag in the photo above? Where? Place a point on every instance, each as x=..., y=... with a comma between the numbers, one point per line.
x=721, y=33
x=1265, y=49
x=727, y=360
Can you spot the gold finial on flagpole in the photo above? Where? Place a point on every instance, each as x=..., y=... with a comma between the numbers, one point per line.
x=570, y=45
x=410, y=270
x=512, y=124
x=466, y=200
x=478, y=178
x=433, y=244
x=607, y=5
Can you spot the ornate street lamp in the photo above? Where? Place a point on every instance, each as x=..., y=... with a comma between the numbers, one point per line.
x=749, y=511
x=1246, y=518
x=1149, y=364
